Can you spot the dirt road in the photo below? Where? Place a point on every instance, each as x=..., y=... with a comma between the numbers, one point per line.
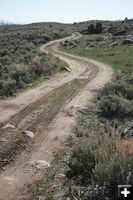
x=26, y=108
x=10, y=107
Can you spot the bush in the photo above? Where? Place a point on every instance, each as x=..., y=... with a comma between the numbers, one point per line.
x=91, y=29
x=81, y=164
x=117, y=88
x=98, y=28
x=5, y=60
x=110, y=106
x=102, y=163
x=7, y=88
x=115, y=106
x=117, y=171
x=129, y=93
x=112, y=89
x=4, y=52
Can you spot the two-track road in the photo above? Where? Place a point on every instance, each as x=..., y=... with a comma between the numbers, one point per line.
x=16, y=176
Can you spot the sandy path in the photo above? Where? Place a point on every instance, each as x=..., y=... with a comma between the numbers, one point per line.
x=15, y=177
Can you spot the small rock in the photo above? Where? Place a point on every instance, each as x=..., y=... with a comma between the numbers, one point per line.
x=98, y=87
x=39, y=164
x=60, y=176
x=127, y=133
x=3, y=140
x=119, y=32
x=83, y=77
x=29, y=134
x=114, y=44
x=47, y=77
x=127, y=41
x=9, y=179
x=68, y=69
x=74, y=110
x=9, y=126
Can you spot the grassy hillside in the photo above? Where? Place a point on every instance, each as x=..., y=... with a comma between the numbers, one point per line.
x=103, y=47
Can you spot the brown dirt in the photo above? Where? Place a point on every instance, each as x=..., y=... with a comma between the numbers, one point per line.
x=30, y=110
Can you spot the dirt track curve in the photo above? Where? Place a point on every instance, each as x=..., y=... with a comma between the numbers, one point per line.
x=47, y=140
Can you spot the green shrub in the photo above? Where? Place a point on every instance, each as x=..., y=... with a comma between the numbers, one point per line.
x=117, y=171
x=7, y=88
x=117, y=88
x=100, y=165
x=98, y=28
x=110, y=106
x=4, y=52
x=115, y=106
x=81, y=164
x=5, y=60
x=129, y=93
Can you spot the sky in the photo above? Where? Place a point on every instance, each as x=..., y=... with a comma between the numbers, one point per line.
x=66, y=11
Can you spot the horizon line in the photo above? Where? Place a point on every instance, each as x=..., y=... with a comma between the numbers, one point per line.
x=6, y=22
